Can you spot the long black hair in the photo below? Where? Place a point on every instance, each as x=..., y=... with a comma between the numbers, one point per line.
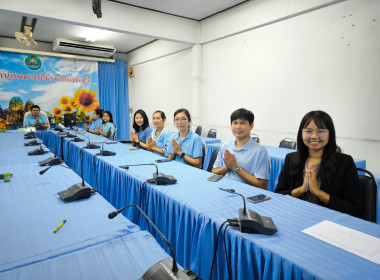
x=146, y=120
x=109, y=114
x=328, y=165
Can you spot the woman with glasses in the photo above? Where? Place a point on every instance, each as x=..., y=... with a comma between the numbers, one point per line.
x=316, y=172
x=142, y=129
x=185, y=146
x=159, y=138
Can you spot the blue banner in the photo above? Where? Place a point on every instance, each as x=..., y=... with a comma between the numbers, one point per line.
x=57, y=85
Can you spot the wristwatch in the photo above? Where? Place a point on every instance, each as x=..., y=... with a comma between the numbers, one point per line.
x=237, y=169
x=182, y=155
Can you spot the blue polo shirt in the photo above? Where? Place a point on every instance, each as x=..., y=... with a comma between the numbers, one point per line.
x=31, y=120
x=191, y=146
x=94, y=125
x=162, y=140
x=109, y=126
x=144, y=134
x=252, y=157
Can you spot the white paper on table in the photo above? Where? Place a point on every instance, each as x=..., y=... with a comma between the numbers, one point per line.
x=356, y=242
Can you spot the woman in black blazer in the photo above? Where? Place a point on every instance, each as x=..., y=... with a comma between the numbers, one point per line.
x=316, y=172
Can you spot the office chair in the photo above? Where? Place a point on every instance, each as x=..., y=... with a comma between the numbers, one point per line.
x=204, y=152
x=211, y=133
x=212, y=159
x=255, y=137
x=369, y=199
x=339, y=148
x=113, y=136
x=42, y=114
x=198, y=130
x=288, y=143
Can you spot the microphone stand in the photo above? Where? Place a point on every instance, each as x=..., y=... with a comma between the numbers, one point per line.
x=115, y=213
x=103, y=152
x=251, y=222
x=158, y=178
x=76, y=191
x=38, y=151
x=89, y=144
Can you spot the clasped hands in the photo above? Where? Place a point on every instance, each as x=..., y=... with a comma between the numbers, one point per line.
x=151, y=143
x=310, y=182
x=134, y=137
x=229, y=159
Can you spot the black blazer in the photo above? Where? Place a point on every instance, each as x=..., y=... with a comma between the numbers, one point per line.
x=345, y=192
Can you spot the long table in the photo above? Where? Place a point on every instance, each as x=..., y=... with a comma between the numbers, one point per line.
x=88, y=245
x=191, y=211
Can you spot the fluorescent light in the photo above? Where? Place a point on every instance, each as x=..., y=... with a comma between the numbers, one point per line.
x=95, y=34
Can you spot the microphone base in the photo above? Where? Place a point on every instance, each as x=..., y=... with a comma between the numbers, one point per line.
x=106, y=153
x=91, y=146
x=251, y=222
x=30, y=137
x=77, y=139
x=36, y=152
x=50, y=161
x=70, y=135
x=163, y=270
x=32, y=143
x=75, y=192
x=163, y=179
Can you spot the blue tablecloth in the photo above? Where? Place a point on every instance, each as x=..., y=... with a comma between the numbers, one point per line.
x=277, y=159
x=190, y=212
x=127, y=257
x=30, y=210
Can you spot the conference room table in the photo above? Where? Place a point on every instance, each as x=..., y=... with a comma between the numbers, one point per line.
x=87, y=246
x=277, y=158
x=190, y=212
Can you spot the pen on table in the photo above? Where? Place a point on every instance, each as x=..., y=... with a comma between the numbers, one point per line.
x=60, y=225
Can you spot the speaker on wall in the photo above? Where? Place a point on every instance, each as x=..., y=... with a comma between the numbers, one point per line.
x=131, y=72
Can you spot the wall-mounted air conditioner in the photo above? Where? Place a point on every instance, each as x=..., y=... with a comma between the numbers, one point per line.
x=89, y=49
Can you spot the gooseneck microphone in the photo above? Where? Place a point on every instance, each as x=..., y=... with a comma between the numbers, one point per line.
x=76, y=138
x=158, y=178
x=127, y=166
x=38, y=151
x=115, y=213
x=50, y=160
x=251, y=222
x=30, y=135
x=76, y=191
x=104, y=152
x=89, y=144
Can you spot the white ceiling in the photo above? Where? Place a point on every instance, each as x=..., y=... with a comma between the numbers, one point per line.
x=46, y=30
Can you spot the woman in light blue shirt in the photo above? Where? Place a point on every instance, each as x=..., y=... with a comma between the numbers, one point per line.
x=142, y=129
x=97, y=117
x=185, y=146
x=108, y=128
x=159, y=138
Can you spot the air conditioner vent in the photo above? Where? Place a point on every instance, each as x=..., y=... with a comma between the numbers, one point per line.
x=77, y=47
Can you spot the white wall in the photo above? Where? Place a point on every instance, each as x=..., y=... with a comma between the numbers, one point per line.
x=162, y=84
x=326, y=58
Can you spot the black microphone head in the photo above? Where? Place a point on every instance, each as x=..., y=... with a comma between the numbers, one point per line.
x=112, y=214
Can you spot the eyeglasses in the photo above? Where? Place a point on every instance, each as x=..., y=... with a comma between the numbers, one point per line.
x=180, y=119
x=320, y=132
